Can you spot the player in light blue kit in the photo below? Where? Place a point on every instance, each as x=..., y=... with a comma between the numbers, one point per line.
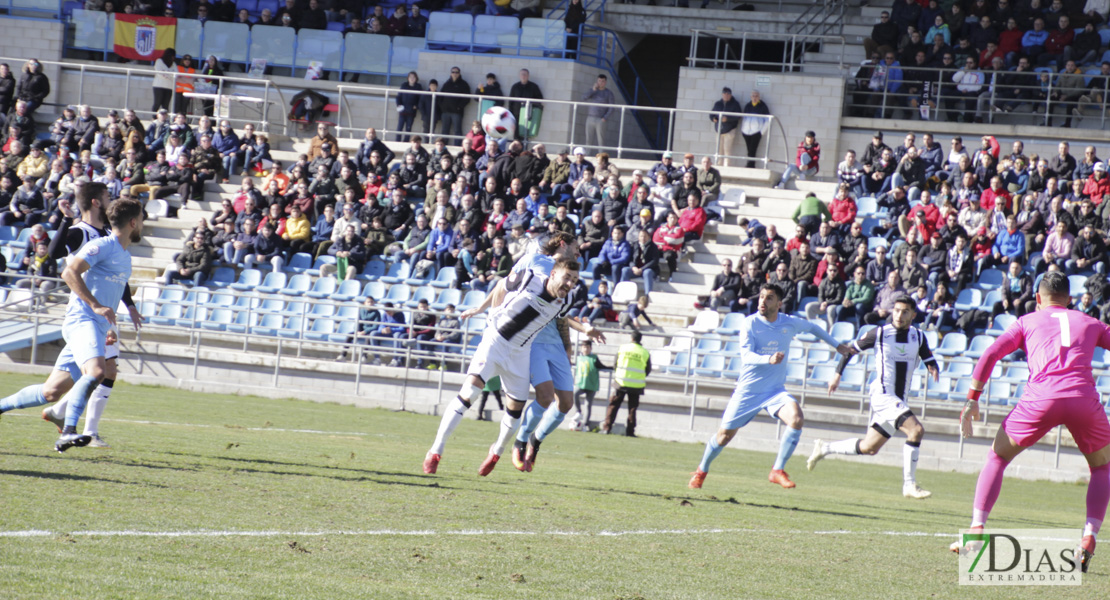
x=97, y=275
x=764, y=340
x=549, y=373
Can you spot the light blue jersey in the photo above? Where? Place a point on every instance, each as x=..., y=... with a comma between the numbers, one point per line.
x=109, y=269
x=759, y=339
x=549, y=360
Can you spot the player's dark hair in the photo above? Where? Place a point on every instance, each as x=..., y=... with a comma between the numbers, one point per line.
x=1055, y=284
x=86, y=192
x=556, y=241
x=770, y=287
x=636, y=337
x=123, y=210
x=907, y=301
x=569, y=264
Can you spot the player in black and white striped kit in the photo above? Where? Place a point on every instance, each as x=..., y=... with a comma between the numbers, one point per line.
x=523, y=303
x=898, y=348
x=93, y=200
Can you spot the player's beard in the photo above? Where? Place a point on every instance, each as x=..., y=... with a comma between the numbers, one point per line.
x=136, y=236
x=104, y=215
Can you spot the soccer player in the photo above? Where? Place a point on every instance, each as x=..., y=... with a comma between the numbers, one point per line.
x=764, y=340
x=97, y=276
x=93, y=199
x=898, y=348
x=548, y=370
x=1059, y=345
x=524, y=303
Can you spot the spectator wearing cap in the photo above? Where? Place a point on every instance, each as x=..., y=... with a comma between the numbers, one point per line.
x=805, y=162
x=596, y=116
x=578, y=166
x=666, y=166
x=644, y=220
x=725, y=117
x=1097, y=185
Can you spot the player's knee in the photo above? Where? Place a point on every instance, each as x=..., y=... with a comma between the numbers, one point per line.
x=469, y=391
x=915, y=434
x=566, y=400
x=724, y=436
x=869, y=449
x=795, y=421
x=110, y=369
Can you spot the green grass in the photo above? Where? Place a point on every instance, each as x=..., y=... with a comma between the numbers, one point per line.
x=219, y=463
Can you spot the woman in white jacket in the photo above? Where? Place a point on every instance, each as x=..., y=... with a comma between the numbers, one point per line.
x=163, y=79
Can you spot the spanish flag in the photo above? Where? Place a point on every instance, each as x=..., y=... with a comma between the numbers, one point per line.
x=139, y=37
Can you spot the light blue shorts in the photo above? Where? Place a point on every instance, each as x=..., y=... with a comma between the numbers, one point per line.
x=84, y=341
x=549, y=363
x=743, y=408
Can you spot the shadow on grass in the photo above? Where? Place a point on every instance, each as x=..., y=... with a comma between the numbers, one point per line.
x=72, y=477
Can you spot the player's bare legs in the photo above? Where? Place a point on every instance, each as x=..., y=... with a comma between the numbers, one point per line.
x=791, y=416
x=452, y=416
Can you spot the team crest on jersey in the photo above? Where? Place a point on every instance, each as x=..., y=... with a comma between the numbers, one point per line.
x=93, y=250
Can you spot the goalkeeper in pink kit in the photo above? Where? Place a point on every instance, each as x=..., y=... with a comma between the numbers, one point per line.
x=1059, y=344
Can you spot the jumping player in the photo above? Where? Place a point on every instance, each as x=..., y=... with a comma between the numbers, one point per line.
x=898, y=348
x=764, y=340
x=524, y=303
x=1059, y=345
x=97, y=276
x=93, y=199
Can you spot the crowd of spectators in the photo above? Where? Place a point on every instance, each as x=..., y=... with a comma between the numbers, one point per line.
x=968, y=61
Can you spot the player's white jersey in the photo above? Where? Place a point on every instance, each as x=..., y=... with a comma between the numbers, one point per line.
x=897, y=352
x=526, y=309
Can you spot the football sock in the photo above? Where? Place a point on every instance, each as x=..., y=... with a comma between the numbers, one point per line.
x=550, y=422
x=77, y=398
x=711, y=452
x=451, y=418
x=58, y=409
x=1098, y=495
x=96, y=406
x=910, y=453
x=25, y=398
x=533, y=413
x=988, y=487
x=786, y=448
x=849, y=446
x=509, y=422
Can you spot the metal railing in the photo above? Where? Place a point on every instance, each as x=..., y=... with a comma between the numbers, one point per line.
x=824, y=17
x=979, y=101
x=225, y=85
x=730, y=49
x=380, y=103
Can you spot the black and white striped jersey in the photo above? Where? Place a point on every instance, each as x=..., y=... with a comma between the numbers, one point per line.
x=897, y=352
x=81, y=234
x=526, y=309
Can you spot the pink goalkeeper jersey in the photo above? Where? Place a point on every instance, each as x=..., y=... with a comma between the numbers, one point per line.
x=1059, y=345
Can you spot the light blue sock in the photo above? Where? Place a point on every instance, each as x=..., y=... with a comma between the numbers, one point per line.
x=551, y=420
x=27, y=397
x=789, y=443
x=78, y=397
x=711, y=452
x=533, y=413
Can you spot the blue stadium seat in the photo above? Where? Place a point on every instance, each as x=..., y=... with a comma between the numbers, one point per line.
x=588, y=272
x=219, y=300
x=347, y=311
x=167, y=315
x=733, y=369
x=273, y=5
x=321, y=310
x=247, y=301
x=473, y=299
x=843, y=331
x=795, y=373
x=709, y=343
x=937, y=390
x=324, y=287
x=373, y=289
x=1103, y=384
x=990, y=279
x=221, y=278
x=271, y=305
x=978, y=346
x=731, y=324
x=301, y=262
x=732, y=348
x=1001, y=323
x=292, y=329
x=319, y=264
x=336, y=26
x=683, y=361
x=990, y=298
x=397, y=273
x=320, y=330
x=475, y=324
x=959, y=392
x=195, y=297
x=171, y=294
x=821, y=375
x=953, y=344
x=853, y=379
x=1078, y=284
x=244, y=322
x=398, y=294
x=968, y=299
x=866, y=207
x=957, y=368
x=274, y=283
x=218, y=320
x=445, y=278
x=294, y=308
x=711, y=365
x=8, y=234
x=419, y=281
x=448, y=296
x=250, y=6
x=1015, y=374
x=298, y=285
x=342, y=331
x=348, y=290
x=373, y=270
x=1098, y=360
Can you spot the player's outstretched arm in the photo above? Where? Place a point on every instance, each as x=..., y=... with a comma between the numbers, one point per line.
x=493, y=298
x=72, y=276
x=592, y=332
x=824, y=336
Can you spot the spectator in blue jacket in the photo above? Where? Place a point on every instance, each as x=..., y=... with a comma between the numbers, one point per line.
x=392, y=330
x=1009, y=244
x=615, y=255
x=268, y=248
x=226, y=142
x=1032, y=43
x=440, y=241
x=886, y=79
x=322, y=230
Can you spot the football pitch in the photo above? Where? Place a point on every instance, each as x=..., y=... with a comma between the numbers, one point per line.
x=210, y=496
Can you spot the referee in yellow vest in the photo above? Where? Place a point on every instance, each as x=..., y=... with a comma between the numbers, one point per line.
x=631, y=371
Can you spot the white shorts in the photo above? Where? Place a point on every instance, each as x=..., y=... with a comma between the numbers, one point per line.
x=889, y=410
x=494, y=357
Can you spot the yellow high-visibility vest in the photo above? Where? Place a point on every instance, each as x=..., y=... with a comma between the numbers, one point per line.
x=632, y=360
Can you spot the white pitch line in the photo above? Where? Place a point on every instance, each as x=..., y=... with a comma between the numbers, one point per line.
x=231, y=427
x=34, y=533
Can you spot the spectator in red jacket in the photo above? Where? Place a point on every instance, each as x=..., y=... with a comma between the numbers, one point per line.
x=843, y=209
x=670, y=238
x=693, y=218
x=1058, y=41
x=805, y=164
x=995, y=195
x=1098, y=184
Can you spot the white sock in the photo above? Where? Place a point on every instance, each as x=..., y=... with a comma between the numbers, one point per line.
x=97, y=402
x=508, y=430
x=909, y=463
x=451, y=418
x=849, y=446
x=1089, y=528
x=979, y=517
x=58, y=409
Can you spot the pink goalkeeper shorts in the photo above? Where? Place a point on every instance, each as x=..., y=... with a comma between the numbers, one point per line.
x=1085, y=418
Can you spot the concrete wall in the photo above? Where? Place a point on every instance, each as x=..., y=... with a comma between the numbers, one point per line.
x=32, y=38
x=800, y=102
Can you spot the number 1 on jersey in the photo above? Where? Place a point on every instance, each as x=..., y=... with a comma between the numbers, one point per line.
x=1065, y=329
